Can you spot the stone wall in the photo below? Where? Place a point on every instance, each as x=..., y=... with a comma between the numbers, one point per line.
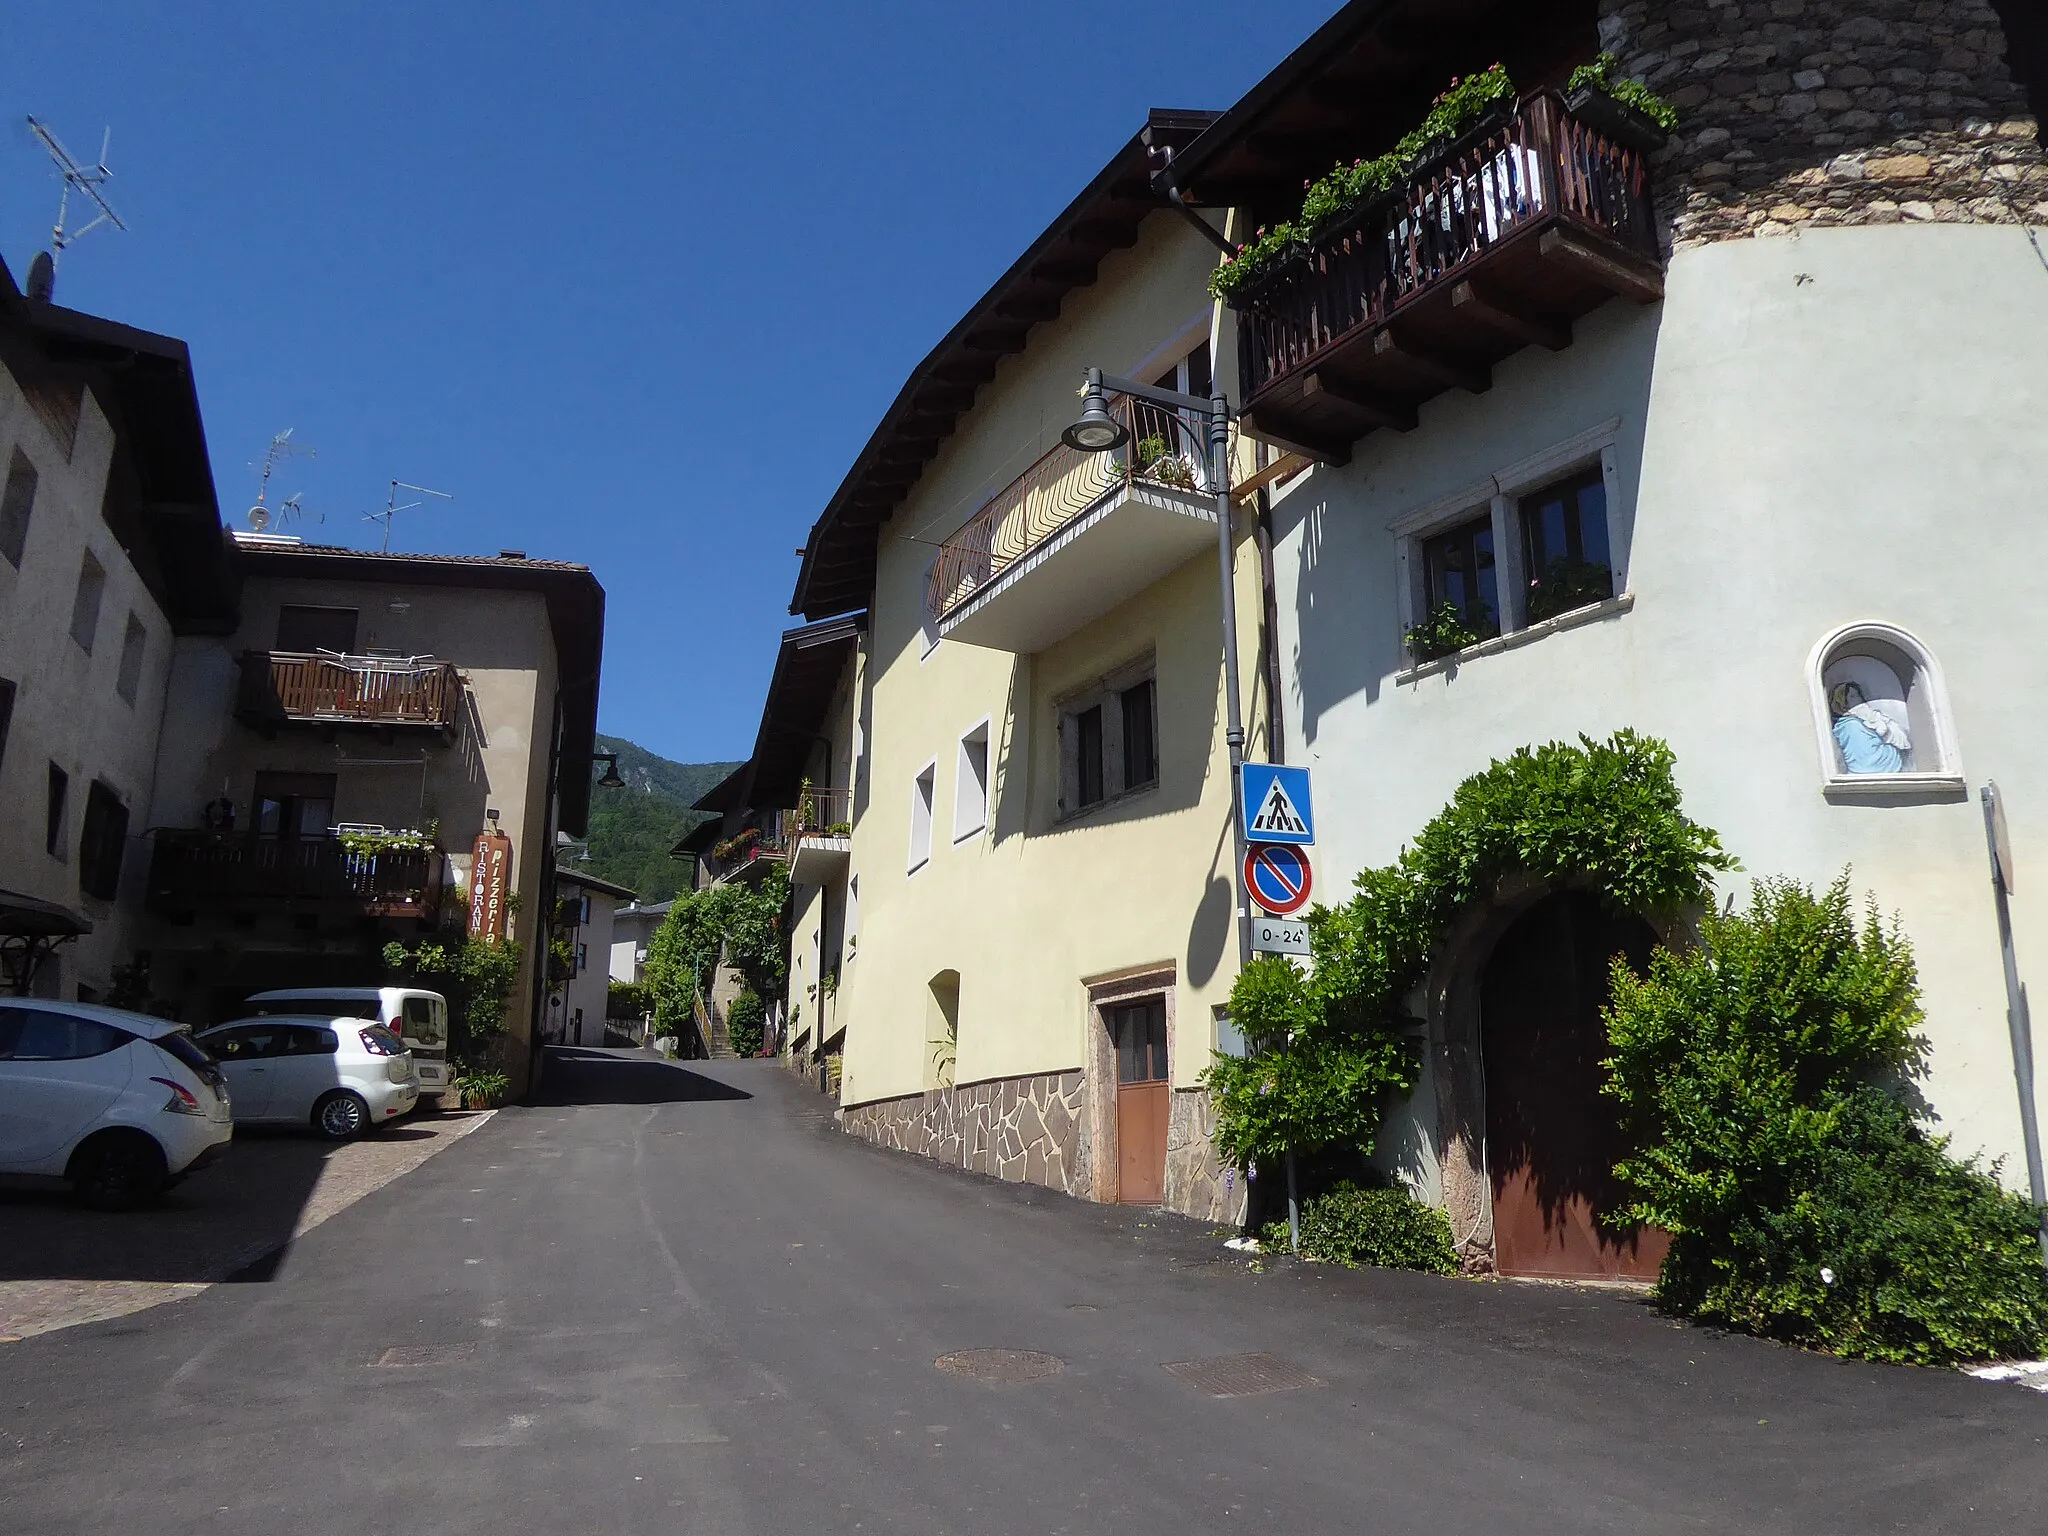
x=1808, y=113
x=1029, y=1129
x=1198, y=1183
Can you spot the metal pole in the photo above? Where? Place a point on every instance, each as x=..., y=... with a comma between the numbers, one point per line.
x=2016, y=1022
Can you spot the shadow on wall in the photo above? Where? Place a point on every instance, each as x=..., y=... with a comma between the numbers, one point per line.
x=1010, y=777
x=579, y=1075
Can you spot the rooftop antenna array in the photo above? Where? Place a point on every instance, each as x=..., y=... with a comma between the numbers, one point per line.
x=392, y=508
x=260, y=515
x=86, y=181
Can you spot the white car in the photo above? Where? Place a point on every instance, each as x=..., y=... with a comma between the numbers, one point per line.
x=416, y=1016
x=120, y=1104
x=340, y=1076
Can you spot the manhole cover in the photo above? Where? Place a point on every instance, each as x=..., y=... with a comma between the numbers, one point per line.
x=1001, y=1364
x=1241, y=1375
x=425, y=1354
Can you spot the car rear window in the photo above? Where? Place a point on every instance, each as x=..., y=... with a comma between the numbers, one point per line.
x=426, y=1020
x=182, y=1047
x=378, y=1037
x=322, y=1007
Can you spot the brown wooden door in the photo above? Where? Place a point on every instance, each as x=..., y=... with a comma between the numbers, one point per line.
x=1552, y=1138
x=1138, y=1032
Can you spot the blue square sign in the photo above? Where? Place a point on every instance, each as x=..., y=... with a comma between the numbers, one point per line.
x=1276, y=805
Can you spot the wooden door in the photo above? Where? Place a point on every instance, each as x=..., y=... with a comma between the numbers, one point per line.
x=1138, y=1032
x=1552, y=1137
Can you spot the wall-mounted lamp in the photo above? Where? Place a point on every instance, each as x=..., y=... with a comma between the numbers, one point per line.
x=611, y=779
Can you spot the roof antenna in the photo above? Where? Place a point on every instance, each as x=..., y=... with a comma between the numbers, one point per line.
x=281, y=447
x=392, y=508
x=86, y=181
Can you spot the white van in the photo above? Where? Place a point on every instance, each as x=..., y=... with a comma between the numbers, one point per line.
x=417, y=1017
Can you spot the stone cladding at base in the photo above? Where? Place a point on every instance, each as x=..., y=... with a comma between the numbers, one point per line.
x=1024, y=1129
x=1804, y=114
x=1035, y=1130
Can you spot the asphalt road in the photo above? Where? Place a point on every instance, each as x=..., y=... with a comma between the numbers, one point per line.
x=678, y=1300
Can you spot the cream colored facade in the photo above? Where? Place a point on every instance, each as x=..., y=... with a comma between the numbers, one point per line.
x=1032, y=915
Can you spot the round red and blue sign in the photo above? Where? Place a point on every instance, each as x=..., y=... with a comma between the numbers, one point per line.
x=1278, y=877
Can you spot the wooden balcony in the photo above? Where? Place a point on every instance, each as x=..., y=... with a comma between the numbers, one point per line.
x=1077, y=534
x=1525, y=225
x=296, y=688
x=198, y=872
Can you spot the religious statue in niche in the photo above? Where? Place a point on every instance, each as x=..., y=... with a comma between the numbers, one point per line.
x=1872, y=730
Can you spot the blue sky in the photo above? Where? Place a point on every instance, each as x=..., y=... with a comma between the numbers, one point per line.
x=633, y=282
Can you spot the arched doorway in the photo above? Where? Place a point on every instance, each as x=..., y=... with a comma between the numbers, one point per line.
x=1552, y=1137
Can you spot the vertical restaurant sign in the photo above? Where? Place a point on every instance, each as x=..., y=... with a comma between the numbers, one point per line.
x=490, y=882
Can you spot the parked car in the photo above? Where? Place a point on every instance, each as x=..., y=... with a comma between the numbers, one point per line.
x=119, y=1104
x=341, y=1076
x=416, y=1016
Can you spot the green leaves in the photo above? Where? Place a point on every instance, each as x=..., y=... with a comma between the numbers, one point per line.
x=1384, y=1228
x=744, y=1018
x=1761, y=1074
x=1604, y=75
x=736, y=923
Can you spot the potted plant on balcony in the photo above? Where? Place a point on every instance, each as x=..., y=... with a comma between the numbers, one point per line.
x=1472, y=108
x=1568, y=584
x=1626, y=111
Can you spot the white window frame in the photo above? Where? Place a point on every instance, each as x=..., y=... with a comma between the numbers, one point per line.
x=1106, y=691
x=924, y=788
x=970, y=819
x=852, y=918
x=1499, y=497
x=1946, y=778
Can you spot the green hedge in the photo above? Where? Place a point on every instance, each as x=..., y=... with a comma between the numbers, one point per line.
x=1384, y=1228
x=1766, y=1077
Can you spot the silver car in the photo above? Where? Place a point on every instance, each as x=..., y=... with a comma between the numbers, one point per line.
x=340, y=1076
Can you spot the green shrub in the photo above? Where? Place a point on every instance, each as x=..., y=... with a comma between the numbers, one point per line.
x=744, y=1016
x=1383, y=1228
x=1763, y=1076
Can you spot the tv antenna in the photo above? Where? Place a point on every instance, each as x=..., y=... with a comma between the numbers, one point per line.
x=392, y=508
x=281, y=447
x=86, y=181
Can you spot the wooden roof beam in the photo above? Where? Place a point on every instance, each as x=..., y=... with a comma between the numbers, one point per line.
x=1511, y=316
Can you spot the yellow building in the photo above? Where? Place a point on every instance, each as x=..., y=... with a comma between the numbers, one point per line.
x=1023, y=946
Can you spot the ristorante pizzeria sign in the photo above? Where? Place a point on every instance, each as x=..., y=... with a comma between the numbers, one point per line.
x=490, y=883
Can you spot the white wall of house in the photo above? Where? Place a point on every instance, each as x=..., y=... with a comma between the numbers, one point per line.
x=1808, y=432
x=70, y=709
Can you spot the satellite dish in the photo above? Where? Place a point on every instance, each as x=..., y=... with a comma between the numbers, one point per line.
x=259, y=517
x=42, y=277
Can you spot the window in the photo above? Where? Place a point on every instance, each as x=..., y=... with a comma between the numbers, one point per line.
x=133, y=643
x=582, y=958
x=16, y=502
x=1138, y=1033
x=53, y=811
x=6, y=715
x=316, y=629
x=970, y=784
x=29, y=1034
x=1881, y=713
x=1459, y=571
x=1180, y=434
x=85, y=606
x=1564, y=546
x=294, y=806
x=1109, y=739
x=102, y=841
x=921, y=817
x=852, y=915
x=308, y=1040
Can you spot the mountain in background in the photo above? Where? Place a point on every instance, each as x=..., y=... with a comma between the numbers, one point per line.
x=632, y=829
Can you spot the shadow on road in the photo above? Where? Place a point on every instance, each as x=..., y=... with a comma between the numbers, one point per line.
x=583, y=1075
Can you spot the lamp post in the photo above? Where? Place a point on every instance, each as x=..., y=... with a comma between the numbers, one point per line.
x=1097, y=431
x=611, y=779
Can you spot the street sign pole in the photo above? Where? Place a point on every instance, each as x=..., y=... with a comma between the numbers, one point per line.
x=2016, y=1021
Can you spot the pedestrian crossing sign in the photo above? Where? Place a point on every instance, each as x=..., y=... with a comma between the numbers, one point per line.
x=1276, y=805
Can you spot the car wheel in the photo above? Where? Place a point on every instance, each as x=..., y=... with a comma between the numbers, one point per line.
x=117, y=1171
x=341, y=1115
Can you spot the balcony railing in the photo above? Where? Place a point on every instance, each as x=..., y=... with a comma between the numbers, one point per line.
x=1165, y=451
x=823, y=813
x=191, y=871
x=1523, y=226
x=281, y=686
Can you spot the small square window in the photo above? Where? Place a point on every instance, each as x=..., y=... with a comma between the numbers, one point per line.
x=85, y=605
x=1564, y=546
x=1458, y=569
x=102, y=842
x=970, y=784
x=133, y=645
x=1109, y=739
x=16, y=503
x=921, y=817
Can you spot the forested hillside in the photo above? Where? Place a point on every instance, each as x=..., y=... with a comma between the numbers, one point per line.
x=632, y=829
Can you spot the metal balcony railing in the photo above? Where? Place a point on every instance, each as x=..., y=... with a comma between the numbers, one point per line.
x=190, y=871
x=280, y=686
x=1540, y=166
x=823, y=813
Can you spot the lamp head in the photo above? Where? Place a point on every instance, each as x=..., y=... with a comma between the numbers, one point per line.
x=1096, y=431
x=611, y=779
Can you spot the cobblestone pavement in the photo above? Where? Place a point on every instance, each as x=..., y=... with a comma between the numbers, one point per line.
x=61, y=1265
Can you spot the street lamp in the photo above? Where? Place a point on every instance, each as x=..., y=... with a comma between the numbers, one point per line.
x=1097, y=432
x=611, y=779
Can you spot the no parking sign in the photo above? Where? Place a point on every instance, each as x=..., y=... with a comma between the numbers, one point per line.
x=1278, y=877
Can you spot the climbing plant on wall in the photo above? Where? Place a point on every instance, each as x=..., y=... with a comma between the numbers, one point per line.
x=1327, y=1048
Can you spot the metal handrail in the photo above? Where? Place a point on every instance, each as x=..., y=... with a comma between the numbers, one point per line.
x=1540, y=163
x=1166, y=449
x=818, y=811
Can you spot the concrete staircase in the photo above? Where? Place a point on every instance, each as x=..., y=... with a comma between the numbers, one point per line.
x=717, y=1040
